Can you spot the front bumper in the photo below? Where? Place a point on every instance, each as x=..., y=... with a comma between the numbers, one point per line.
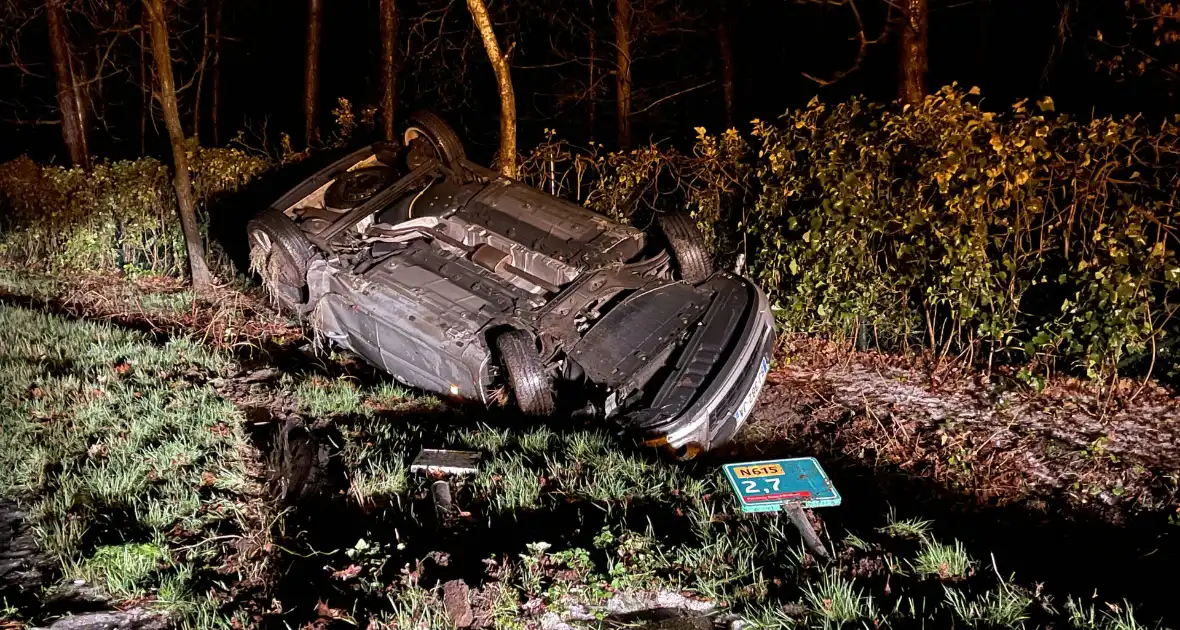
x=715, y=383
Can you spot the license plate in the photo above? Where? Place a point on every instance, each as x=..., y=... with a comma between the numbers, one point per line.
x=752, y=396
x=766, y=486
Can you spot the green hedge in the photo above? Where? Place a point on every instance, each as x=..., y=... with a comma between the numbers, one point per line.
x=1022, y=232
x=1018, y=235
x=119, y=216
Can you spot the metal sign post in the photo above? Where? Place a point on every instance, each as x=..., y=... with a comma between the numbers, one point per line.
x=440, y=465
x=786, y=485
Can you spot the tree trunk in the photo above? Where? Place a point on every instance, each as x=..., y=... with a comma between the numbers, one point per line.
x=215, y=79
x=201, y=76
x=623, y=70
x=311, y=75
x=723, y=42
x=145, y=76
x=506, y=157
x=82, y=98
x=388, y=66
x=202, y=278
x=73, y=117
x=592, y=87
x=914, y=59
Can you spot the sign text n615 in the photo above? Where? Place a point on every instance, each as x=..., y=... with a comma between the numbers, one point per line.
x=764, y=470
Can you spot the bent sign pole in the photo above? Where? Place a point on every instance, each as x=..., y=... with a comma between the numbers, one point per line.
x=786, y=485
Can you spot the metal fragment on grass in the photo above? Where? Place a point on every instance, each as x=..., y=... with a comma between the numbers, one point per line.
x=440, y=461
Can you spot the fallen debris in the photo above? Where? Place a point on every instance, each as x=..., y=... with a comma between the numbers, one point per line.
x=133, y=619
x=456, y=599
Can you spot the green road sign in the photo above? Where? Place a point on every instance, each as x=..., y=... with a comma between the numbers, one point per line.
x=771, y=485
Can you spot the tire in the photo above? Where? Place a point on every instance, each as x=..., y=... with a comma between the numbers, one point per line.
x=526, y=373
x=688, y=247
x=442, y=138
x=280, y=253
x=356, y=187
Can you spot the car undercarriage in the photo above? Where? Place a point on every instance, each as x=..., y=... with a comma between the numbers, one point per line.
x=457, y=280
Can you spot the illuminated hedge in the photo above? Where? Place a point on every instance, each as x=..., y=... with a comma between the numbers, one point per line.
x=975, y=232
x=1015, y=235
x=119, y=216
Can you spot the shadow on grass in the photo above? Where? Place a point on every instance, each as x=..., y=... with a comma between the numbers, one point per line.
x=327, y=530
x=285, y=355
x=1070, y=553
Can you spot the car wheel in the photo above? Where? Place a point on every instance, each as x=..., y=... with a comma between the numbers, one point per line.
x=688, y=247
x=438, y=135
x=356, y=187
x=526, y=373
x=280, y=253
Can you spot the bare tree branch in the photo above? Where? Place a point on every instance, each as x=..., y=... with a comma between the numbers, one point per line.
x=863, y=41
x=672, y=96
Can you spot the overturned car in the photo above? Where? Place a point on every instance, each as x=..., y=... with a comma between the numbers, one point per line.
x=459, y=281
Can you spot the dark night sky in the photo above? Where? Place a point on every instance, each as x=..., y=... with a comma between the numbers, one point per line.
x=1003, y=46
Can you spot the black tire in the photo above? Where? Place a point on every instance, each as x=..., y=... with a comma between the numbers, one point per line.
x=441, y=137
x=280, y=253
x=356, y=187
x=688, y=247
x=526, y=373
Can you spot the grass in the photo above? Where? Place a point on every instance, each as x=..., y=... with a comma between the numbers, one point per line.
x=173, y=302
x=391, y=395
x=32, y=285
x=905, y=527
x=702, y=545
x=112, y=436
x=328, y=397
x=509, y=484
x=1088, y=617
x=132, y=298
x=105, y=430
x=768, y=617
x=409, y=606
x=486, y=438
x=946, y=562
x=1004, y=607
x=322, y=397
x=376, y=453
x=535, y=442
x=856, y=542
x=125, y=569
x=379, y=478
x=835, y=601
